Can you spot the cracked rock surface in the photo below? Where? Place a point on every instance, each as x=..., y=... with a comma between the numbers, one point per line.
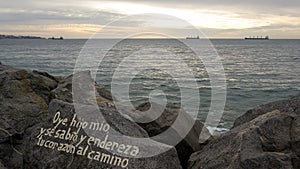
x=266, y=137
x=29, y=100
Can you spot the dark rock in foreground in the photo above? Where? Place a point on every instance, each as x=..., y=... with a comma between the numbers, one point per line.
x=289, y=106
x=23, y=104
x=45, y=158
x=28, y=101
x=63, y=91
x=189, y=144
x=266, y=137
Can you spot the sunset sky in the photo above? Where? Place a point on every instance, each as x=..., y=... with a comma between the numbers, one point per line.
x=217, y=19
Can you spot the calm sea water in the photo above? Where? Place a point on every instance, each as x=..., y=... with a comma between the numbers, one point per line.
x=256, y=72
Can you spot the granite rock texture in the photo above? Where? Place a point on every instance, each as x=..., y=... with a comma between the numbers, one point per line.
x=265, y=137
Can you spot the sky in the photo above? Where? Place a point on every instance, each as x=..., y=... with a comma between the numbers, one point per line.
x=176, y=18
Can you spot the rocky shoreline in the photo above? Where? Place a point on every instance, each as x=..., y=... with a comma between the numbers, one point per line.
x=267, y=136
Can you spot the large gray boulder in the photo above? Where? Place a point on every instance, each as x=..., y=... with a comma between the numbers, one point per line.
x=23, y=104
x=288, y=105
x=63, y=91
x=265, y=140
x=41, y=157
x=188, y=144
x=28, y=102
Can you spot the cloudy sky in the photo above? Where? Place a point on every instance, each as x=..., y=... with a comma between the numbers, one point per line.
x=215, y=18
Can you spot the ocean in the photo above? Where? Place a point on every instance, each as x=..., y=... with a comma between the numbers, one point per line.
x=256, y=72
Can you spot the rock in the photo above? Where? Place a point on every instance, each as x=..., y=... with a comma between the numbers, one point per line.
x=21, y=96
x=55, y=78
x=1, y=165
x=42, y=85
x=56, y=159
x=289, y=105
x=189, y=144
x=103, y=92
x=23, y=102
x=64, y=89
x=27, y=104
x=269, y=140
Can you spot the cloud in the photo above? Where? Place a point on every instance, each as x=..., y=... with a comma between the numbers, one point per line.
x=20, y=16
x=215, y=3
x=225, y=18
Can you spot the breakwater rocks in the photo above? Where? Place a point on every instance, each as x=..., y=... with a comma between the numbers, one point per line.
x=40, y=129
x=266, y=137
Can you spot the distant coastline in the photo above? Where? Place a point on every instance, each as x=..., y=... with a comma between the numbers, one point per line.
x=28, y=37
x=19, y=37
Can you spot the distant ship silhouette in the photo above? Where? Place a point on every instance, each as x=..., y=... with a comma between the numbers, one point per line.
x=191, y=37
x=257, y=38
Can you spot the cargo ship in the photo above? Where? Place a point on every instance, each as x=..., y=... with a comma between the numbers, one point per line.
x=257, y=38
x=191, y=37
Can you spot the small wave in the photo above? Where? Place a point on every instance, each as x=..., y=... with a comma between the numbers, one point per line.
x=217, y=130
